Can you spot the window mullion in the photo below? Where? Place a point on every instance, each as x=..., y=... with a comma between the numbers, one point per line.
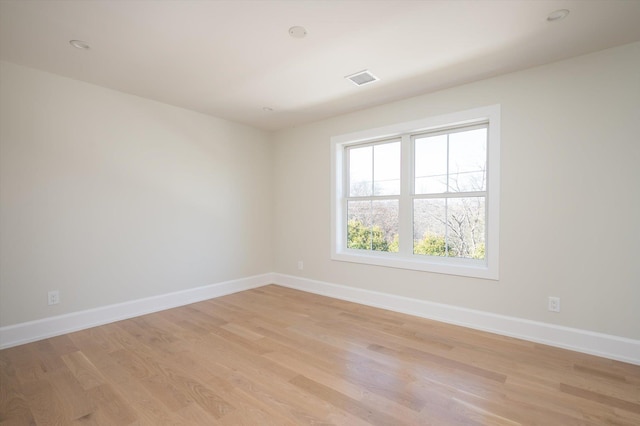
x=373, y=193
x=373, y=170
x=406, y=200
x=446, y=206
x=452, y=195
x=371, y=224
x=344, y=203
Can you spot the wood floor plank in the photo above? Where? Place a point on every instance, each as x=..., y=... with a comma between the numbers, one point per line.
x=564, y=405
x=277, y=356
x=343, y=402
x=73, y=398
x=14, y=408
x=87, y=375
x=111, y=407
x=194, y=414
x=45, y=403
x=248, y=404
x=611, y=401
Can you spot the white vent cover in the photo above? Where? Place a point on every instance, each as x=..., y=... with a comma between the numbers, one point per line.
x=361, y=78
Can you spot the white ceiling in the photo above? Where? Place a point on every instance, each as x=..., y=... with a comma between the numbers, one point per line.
x=233, y=58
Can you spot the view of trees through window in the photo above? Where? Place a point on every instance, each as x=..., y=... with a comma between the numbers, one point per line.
x=447, y=202
x=374, y=194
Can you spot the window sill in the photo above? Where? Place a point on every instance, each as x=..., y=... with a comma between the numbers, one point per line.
x=461, y=267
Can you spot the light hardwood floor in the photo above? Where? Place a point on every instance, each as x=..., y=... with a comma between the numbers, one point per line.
x=275, y=356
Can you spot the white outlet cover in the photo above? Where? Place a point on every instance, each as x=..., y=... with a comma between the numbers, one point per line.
x=53, y=297
x=554, y=304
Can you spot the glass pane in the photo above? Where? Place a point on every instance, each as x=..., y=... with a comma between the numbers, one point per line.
x=431, y=165
x=361, y=171
x=468, y=160
x=466, y=227
x=429, y=229
x=359, y=225
x=373, y=225
x=385, y=221
x=386, y=169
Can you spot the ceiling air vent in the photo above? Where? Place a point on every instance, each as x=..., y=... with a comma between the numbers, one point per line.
x=361, y=78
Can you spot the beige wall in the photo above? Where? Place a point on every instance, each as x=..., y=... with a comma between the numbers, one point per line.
x=110, y=197
x=570, y=199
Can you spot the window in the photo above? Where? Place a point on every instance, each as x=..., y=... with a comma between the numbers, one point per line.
x=374, y=196
x=421, y=195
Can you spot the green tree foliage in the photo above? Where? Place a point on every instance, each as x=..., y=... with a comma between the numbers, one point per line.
x=365, y=238
x=394, y=246
x=480, y=251
x=362, y=237
x=432, y=245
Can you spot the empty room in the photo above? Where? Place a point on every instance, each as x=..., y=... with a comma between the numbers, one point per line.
x=319, y=212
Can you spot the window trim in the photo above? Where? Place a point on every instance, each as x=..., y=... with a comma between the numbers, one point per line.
x=489, y=269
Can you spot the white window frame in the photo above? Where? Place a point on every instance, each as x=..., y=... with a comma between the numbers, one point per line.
x=487, y=268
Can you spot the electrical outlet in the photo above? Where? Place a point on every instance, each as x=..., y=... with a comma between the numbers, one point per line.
x=54, y=297
x=554, y=304
x=300, y=265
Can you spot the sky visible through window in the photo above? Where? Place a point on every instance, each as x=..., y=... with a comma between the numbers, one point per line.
x=375, y=169
x=467, y=152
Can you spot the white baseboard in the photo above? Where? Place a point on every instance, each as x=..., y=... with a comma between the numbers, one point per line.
x=604, y=345
x=599, y=344
x=31, y=331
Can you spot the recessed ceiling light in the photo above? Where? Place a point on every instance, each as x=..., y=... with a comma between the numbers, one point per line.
x=297, y=32
x=361, y=78
x=558, y=15
x=79, y=44
x=267, y=109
